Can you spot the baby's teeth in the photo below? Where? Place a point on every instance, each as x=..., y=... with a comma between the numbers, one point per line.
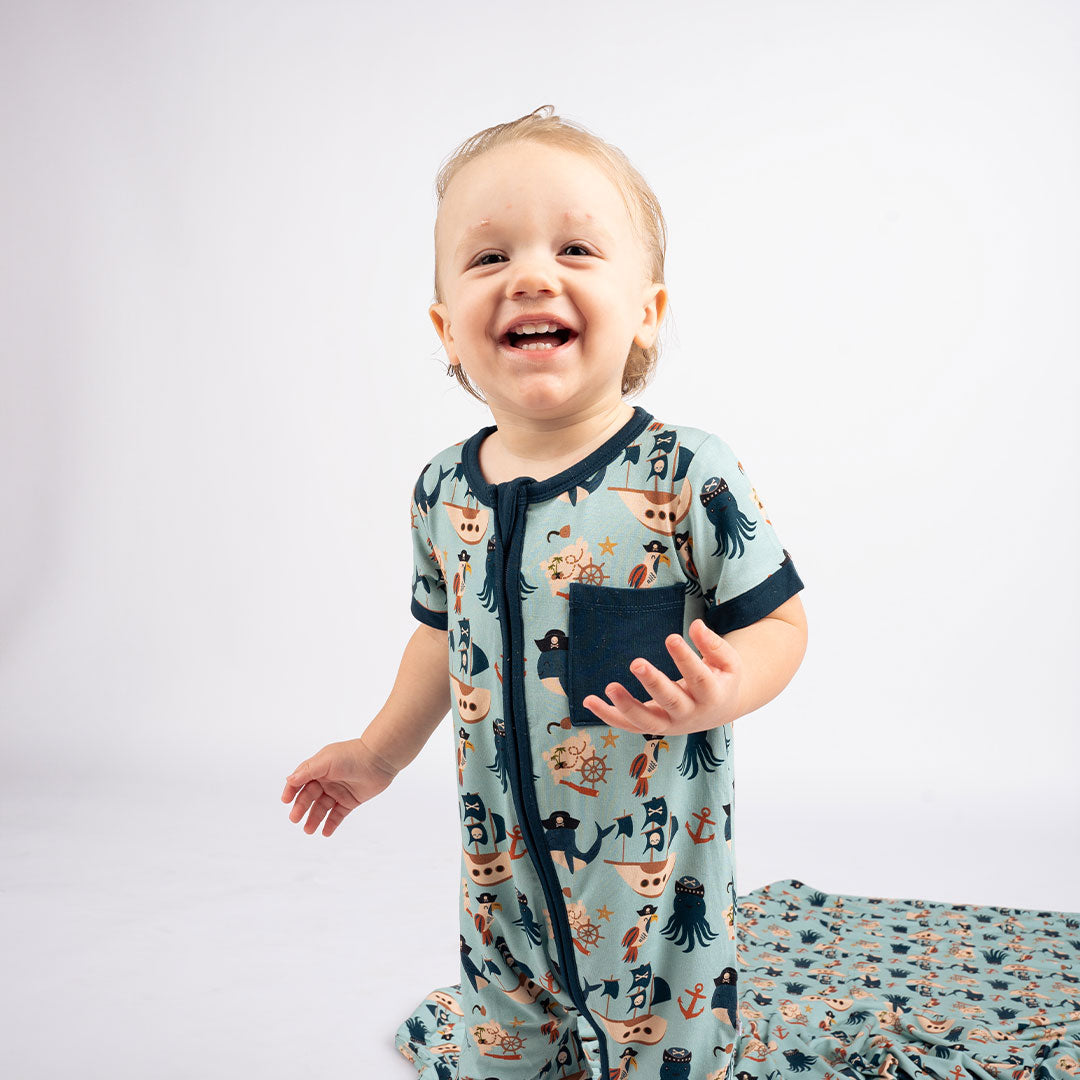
x=538, y=345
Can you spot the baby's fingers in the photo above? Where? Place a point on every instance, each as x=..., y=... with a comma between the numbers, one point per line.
x=308, y=795
x=322, y=806
x=312, y=769
x=337, y=816
x=291, y=788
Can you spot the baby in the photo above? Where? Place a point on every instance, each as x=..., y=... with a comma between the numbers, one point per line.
x=604, y=594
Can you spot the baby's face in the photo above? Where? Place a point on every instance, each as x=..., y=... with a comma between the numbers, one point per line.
x=535, y=230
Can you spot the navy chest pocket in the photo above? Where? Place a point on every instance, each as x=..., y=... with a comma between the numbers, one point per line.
x=609, y=628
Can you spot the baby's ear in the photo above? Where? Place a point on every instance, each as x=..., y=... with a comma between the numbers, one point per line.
x=655, y=304
x=439, y=315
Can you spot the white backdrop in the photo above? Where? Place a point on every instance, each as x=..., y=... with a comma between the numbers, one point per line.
x=217, y=377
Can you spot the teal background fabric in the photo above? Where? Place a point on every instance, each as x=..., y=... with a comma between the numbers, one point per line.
x=598, y=875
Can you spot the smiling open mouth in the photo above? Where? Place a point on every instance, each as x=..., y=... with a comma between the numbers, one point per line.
x=542, y=343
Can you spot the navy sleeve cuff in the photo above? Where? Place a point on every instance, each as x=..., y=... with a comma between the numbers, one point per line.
x=755, y=603
x=436, y=619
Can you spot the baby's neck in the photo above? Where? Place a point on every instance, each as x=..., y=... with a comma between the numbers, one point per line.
x=514, y=451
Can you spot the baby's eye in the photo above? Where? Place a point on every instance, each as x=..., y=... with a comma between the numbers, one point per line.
x=479, y=260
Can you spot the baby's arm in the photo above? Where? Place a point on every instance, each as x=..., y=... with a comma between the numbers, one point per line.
x=343, y=775
x=771, y=651
x=418, y=702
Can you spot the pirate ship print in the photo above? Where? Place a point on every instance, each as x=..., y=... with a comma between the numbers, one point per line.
x=486, y=867
x=645, y=991
x=473, y=702
x=469, y=518
x=648, y=877
x=659, y=508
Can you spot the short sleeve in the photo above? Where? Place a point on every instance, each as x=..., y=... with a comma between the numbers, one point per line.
x=738, y=560
x=428, y=582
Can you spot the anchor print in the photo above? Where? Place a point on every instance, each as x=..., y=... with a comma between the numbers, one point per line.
x=704, y=819
x=697, y=994
x=515, y=839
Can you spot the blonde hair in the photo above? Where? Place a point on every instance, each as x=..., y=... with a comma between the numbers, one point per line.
x=641, y=204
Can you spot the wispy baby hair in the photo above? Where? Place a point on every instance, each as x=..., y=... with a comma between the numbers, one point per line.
x=542, y=125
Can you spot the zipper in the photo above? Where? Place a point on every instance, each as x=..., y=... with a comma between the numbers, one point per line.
x=507, y=499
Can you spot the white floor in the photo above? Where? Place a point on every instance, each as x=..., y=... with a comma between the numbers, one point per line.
x=172, y=936
x=170, y=933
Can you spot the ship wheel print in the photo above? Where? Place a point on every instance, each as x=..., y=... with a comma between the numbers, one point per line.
x=593, y=769
x=592, y=573
x=589, y=934
x=512, y=1043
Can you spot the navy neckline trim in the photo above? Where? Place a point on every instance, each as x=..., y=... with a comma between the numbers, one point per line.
x=536, y=490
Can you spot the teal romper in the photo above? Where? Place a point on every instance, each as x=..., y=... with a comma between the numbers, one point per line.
x=597, y=904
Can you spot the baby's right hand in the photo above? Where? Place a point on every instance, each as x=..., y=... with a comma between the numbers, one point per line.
x=336, y=780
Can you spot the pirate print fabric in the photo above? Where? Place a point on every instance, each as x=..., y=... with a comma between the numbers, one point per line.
x=597, y=906
x=863, y=987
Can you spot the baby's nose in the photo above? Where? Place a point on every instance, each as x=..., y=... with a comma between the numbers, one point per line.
x=534, y=276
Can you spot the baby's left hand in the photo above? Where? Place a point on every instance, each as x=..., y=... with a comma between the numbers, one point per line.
x=706, y=697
